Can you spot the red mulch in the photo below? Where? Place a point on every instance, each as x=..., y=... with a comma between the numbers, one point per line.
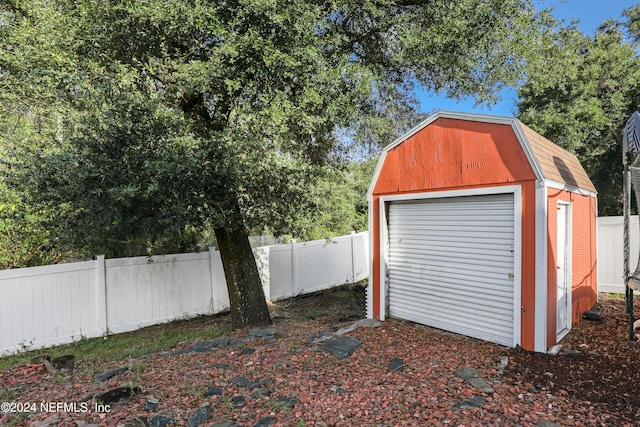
x=594, y=381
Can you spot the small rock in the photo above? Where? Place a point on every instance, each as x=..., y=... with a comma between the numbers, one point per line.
x=592, y=315
x=239, y=341
x=262, y=392
x=318, y=337
x=162, y=421
x=238, y=401
x=287, y=402
x=221, y=342
x=152, y=404
x=243, y=382
x=137, y=422
x=473, y=402
x=199, y=417
x=221, y=365
x=471, y=376
x=504, y=362
x=546, y=424
x=248, y=351
x=203, y=346
x=64, y=363
x=396, y=364
x=225, y=424
x=553, y=351
x=266, y=421
x=262, y=333
x=110, y=374
x=116, y=394
x=213, y=391
x=341, y=347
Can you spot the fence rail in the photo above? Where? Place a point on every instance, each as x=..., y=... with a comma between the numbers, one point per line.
x=57, y=304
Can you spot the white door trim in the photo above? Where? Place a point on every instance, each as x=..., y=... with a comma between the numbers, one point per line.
x=516, y=190
x=568, y=276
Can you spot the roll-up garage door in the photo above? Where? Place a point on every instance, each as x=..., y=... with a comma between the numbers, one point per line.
x=451, y=264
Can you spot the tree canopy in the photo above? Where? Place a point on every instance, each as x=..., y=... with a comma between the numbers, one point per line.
x=136, y=125
x=579, y=93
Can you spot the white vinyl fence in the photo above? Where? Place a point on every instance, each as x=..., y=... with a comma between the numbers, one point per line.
x=57, y=304
x=611, y=251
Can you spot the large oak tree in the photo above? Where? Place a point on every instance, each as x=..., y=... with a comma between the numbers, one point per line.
x=142, y=122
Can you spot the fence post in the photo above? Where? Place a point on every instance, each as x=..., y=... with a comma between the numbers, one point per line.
x=353, y=257
x=101, y=294
x=293, y=267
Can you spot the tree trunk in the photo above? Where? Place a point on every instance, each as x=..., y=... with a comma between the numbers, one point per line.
x=246, y=296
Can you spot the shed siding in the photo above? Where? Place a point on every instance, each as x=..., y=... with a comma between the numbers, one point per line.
x=583, y=248
x=453, y=154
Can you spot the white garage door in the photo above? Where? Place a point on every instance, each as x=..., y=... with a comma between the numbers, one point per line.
x=451, y=264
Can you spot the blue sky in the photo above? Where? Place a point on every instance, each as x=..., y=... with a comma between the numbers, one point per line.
x=590, y=13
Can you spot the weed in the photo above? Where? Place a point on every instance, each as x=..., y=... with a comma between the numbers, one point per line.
x=313, y=314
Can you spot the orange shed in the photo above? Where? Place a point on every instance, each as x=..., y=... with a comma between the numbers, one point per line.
x=482, y=227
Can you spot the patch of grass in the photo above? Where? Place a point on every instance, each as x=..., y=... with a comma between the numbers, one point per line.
x=121, y=346
x=313, y=314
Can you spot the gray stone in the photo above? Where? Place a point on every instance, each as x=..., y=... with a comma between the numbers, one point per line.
x=225, y=424
x=318, y=337
x=471, y=376
x=262, y=392
x=199, y=417
x=266, y=421
x=243, y=382
x=221, y=365
x=592, y=315
x=116, y=394
x=161, y=421
x=262, y=333
x=63, y=363
x=546, y=424
x=213, y=391
x=363, y=323
x=248, y=351
x=239, y=341
x=137, y=422
x=110, y=374
x=203, y=346
x=396, y=364
x=341, y=347
x=473, y=402
x=553, y=351
x=221, y=342
x=287, y=402
x=238, y=401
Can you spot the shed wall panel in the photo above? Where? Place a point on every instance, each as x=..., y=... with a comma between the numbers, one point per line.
x=452, y=154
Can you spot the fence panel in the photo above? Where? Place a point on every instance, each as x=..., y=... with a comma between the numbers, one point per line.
x=45, y=306
x=611, y=251
x=300, y=268
x=143, y=291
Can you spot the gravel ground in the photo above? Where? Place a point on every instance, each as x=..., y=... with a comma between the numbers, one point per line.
x=290, y=381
